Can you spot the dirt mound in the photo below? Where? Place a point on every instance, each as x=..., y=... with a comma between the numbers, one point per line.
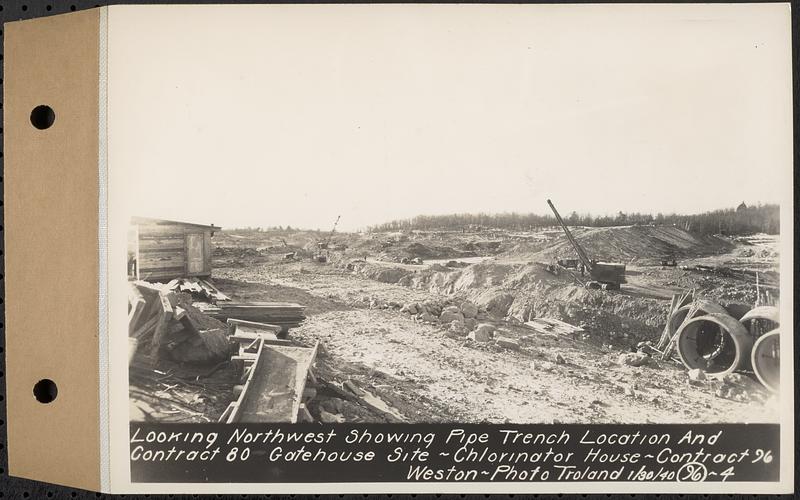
x=633, y=244
x=520, y=292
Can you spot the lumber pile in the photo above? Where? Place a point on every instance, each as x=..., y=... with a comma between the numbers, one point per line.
x=199, y=288
x=164, y=324
x=283, y=314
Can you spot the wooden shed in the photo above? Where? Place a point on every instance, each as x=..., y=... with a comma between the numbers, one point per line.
x=161, y=250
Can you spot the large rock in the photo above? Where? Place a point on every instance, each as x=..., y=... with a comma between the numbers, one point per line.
x=457, y=327
x=409, y=309
x=451, y=308
x=480, y=335
x=450, y=316
x=330, y=418
x=507, y=342
x=633, y=359
x=483, y=333
x=427, y=317
x=697, y=374
x=433, y=308
x=495, y=302
x=470, y=323
x=469, y=310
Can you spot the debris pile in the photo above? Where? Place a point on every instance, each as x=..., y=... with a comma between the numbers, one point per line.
x=164, y=324
x=199, y=288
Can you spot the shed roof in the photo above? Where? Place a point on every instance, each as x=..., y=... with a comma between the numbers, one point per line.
x=165, y=222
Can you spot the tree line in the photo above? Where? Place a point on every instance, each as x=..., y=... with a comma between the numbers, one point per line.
x=729, y=221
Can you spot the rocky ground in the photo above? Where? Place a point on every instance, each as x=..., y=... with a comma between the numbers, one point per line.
x=390, y=340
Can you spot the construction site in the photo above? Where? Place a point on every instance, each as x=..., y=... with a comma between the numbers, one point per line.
x=645, y=323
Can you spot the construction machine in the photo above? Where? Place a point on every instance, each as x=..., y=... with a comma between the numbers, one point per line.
x=322, y=246
x=669, y=260
x=605, y=275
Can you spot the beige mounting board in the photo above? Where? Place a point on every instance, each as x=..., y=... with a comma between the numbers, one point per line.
x=51, y=210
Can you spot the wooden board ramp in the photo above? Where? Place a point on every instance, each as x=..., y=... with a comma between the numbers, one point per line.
x=274, y=378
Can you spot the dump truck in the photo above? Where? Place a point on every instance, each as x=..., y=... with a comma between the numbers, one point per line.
x=605, y=275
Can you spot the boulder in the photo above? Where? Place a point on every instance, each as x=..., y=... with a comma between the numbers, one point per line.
x=495, y=302
x=427, y=317
x=486, y=330
x=633, y=359
x=507, y=342
x=469, y=310
x=470, y=323
x=409, y=309
x=330, y=418
x=697, y=374
x=452, y=309
x=450, y=316
x=457, y=327
x=433, y=308
x=481, y=335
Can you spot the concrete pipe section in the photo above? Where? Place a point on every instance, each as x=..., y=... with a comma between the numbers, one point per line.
x=766, y=360
x=761, y=320
x=716, y=343
x=702, y=307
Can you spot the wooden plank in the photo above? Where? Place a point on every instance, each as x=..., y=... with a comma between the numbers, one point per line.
x=235, y=413
x=162, y=230
x=179, y=313
x=278, y=383
x=161, y=274
x=267, y=339
x=166, y=305
x=138, y=305
x=301, y=377
x=155, y=244
x=147, y=326
x=207, y=252
x=162, y=326
x=304, y=415
x=160, y=260
x=253, y=324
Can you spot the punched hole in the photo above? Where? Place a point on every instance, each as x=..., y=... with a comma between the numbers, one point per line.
x=42, y=117
x=45, y=391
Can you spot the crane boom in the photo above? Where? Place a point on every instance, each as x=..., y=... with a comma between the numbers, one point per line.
x=333, y=230
x=578, y=249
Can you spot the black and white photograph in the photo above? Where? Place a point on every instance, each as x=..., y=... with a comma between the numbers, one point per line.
x=399, y=248
x=461, y=223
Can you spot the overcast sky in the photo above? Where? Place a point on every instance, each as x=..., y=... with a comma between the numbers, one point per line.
x=292, y=115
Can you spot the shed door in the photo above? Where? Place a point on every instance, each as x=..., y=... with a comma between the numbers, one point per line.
x=194, y=253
